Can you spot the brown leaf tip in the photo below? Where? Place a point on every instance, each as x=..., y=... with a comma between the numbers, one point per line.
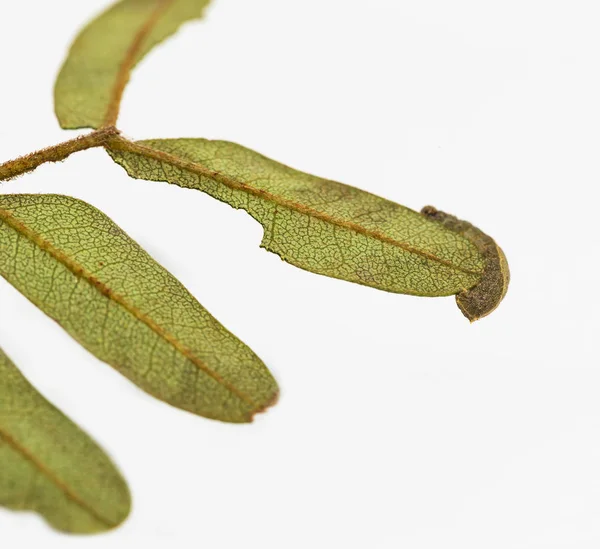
x=482, y=299
x=265, y=407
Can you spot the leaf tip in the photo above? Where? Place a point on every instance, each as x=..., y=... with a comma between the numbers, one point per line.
x=265, y=406
x=124, y=508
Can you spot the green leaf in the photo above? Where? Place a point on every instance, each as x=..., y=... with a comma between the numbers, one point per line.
x=316, y=224
x=82, y=270
x=90, y=85
x=50, y=466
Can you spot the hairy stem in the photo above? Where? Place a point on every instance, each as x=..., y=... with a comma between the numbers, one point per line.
x=24, y=164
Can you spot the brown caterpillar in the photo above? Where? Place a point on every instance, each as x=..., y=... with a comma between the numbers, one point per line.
x=483, y=298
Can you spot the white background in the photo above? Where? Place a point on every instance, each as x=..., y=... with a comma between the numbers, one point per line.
x=400, y=425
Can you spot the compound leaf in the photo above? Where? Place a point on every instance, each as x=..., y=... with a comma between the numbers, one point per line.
x=82, y=270
x=90, y=84
x=49, y=465
x=316, y=224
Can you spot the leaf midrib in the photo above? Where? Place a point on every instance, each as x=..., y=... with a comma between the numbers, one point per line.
x=81, y=272
x=118, y=143
x=128, y=62
x=62, y=486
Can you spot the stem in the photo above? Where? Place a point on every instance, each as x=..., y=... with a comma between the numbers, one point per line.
x=14, y=168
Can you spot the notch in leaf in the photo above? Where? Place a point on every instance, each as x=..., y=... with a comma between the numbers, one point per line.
x=82, y=270
x=50, y=466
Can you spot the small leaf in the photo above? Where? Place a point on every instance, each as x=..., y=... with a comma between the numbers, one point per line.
x=316, y=224
x=90, y=84
x=82, y=270
x=49, y=465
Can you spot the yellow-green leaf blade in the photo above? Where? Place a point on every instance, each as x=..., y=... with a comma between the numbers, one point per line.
x=50, y=466
x=77, y=266
x=316, y=224
x=90, y=84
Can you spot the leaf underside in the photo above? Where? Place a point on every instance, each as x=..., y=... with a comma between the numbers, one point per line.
x=316, y=224
x=319, y=225
x=82, y=270
x=50, y=466
x=89, y=86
